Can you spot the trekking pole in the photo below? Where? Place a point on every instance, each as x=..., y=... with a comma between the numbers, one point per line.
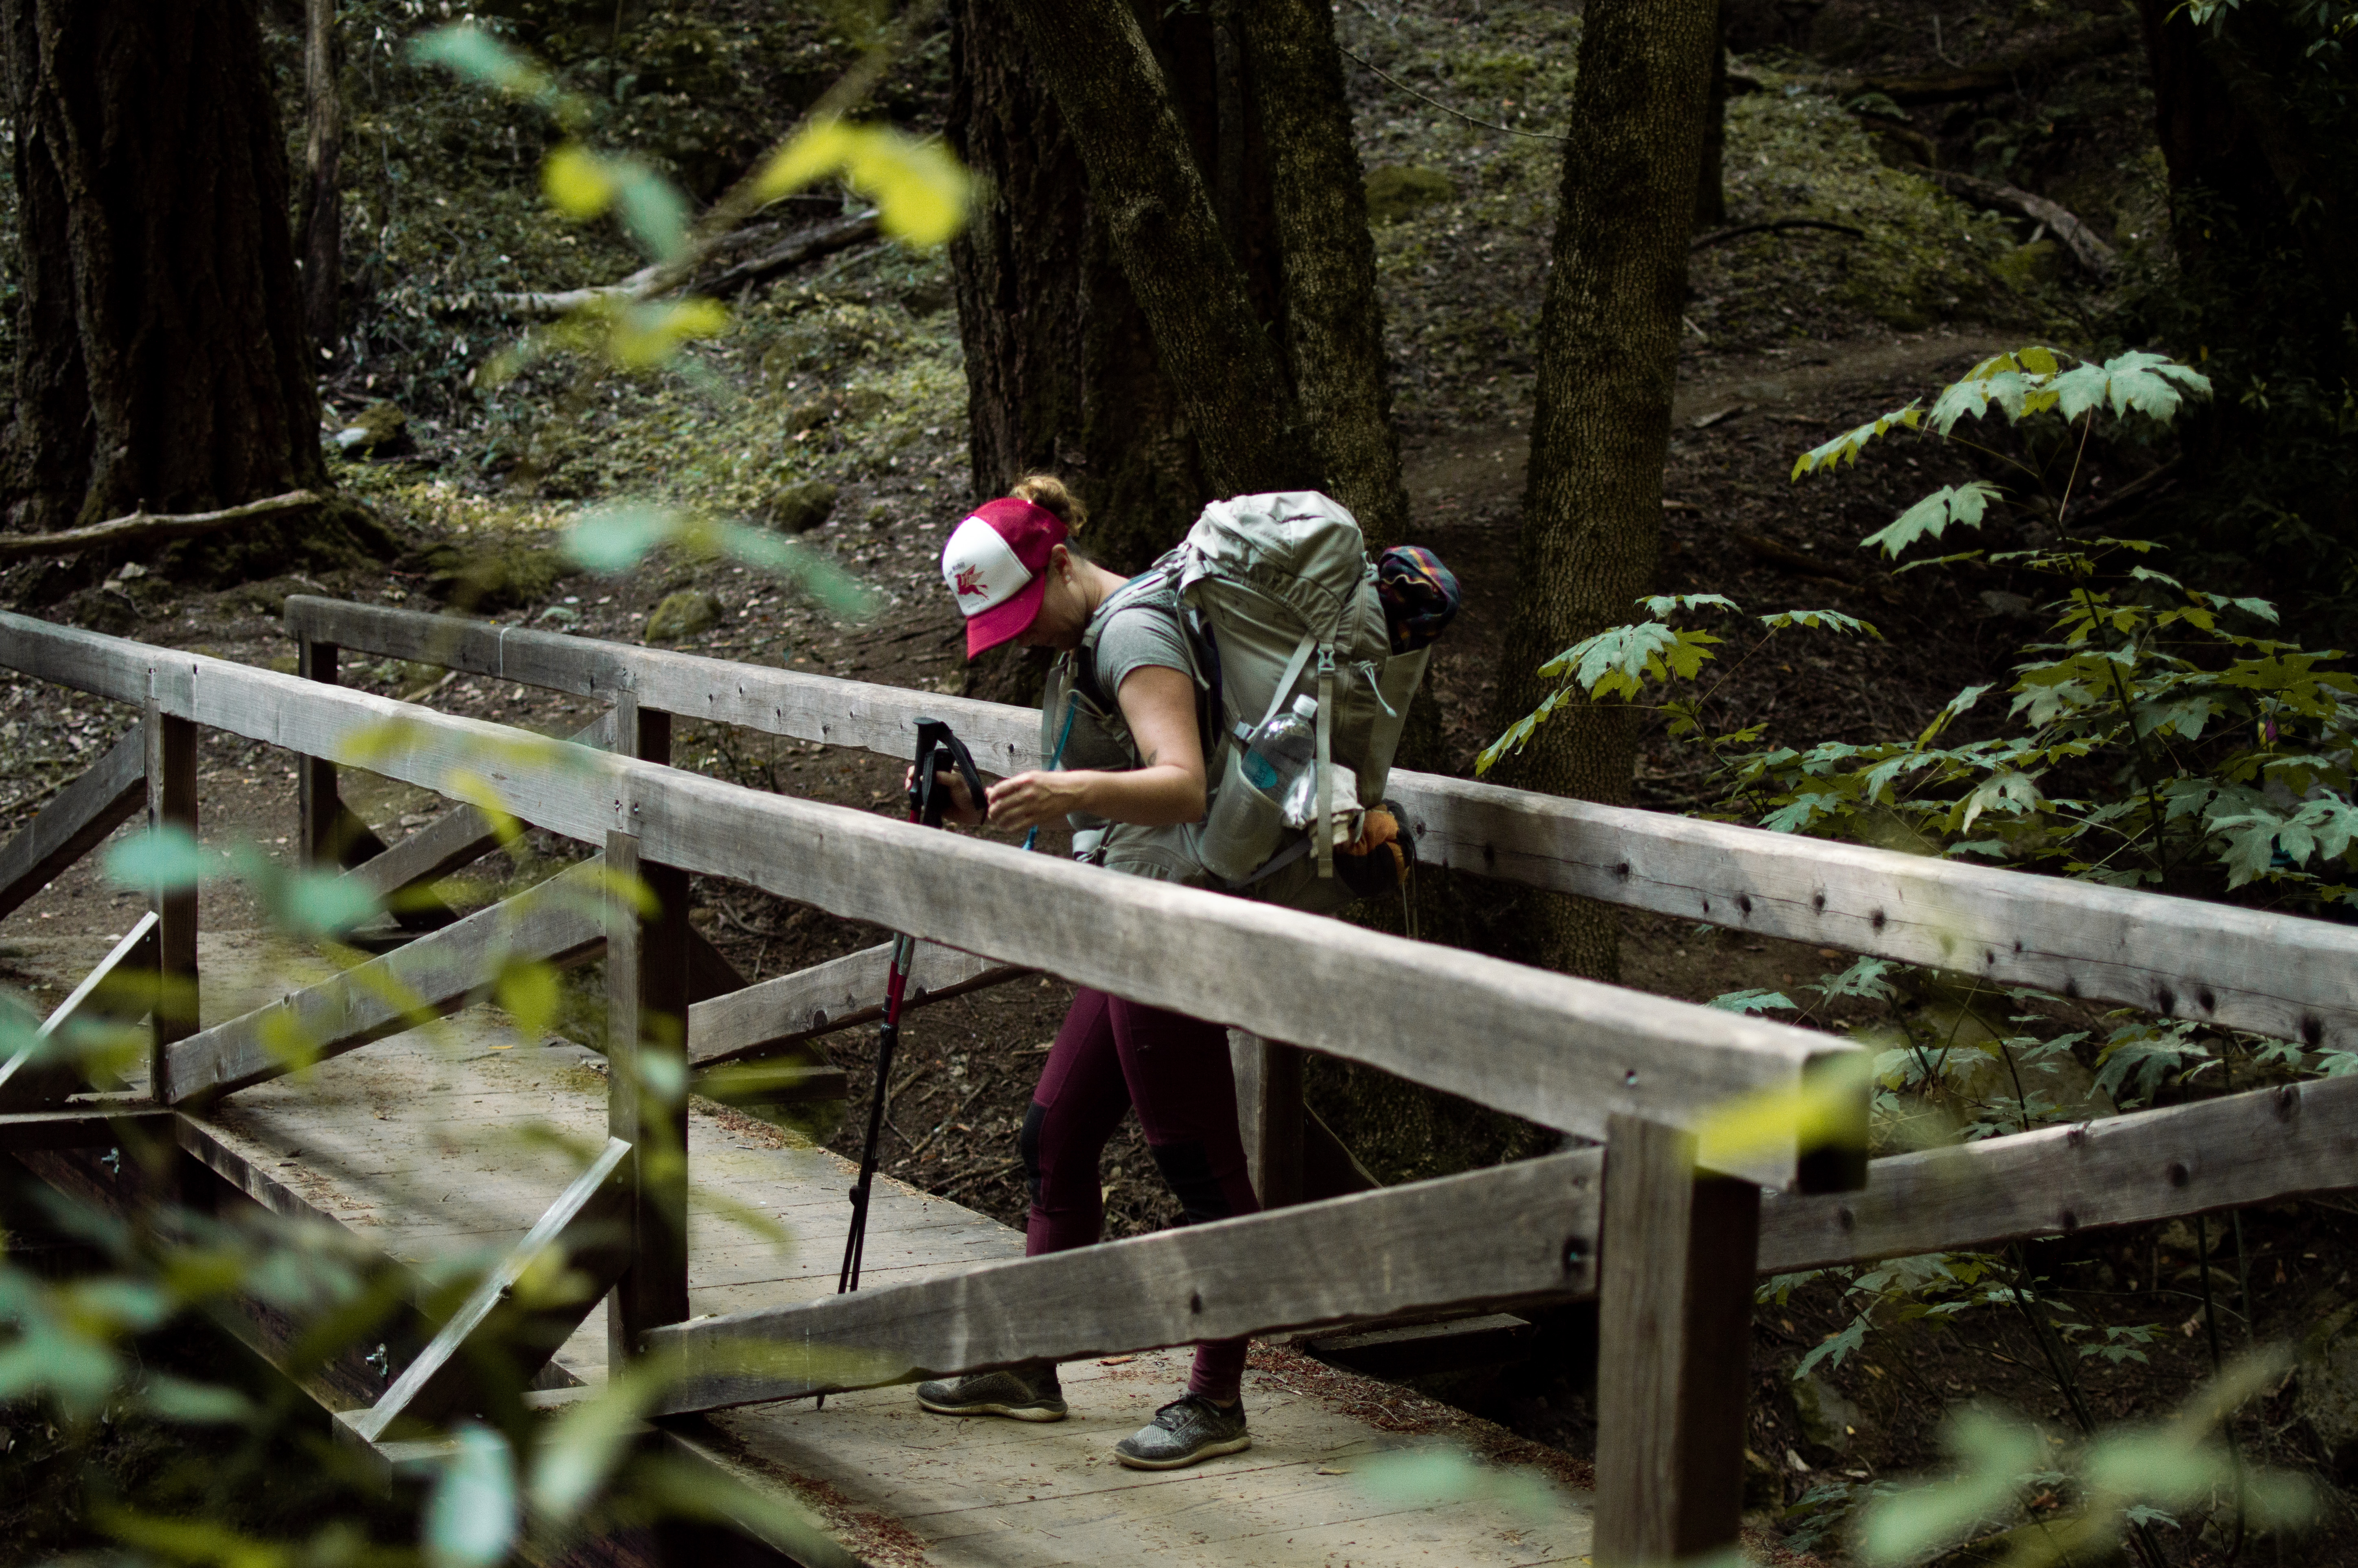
x=936, y=749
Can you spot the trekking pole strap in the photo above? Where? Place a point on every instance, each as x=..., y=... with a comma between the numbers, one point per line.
x=1322, y=826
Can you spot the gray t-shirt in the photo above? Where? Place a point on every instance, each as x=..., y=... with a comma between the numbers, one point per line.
x=1137, y=636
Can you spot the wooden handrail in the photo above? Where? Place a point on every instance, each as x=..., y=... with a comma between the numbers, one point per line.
x=1397, y=1250
x=1563, y=1051
x=2270, y=974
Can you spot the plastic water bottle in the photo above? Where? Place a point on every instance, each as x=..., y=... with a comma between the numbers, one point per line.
x=1282, y=748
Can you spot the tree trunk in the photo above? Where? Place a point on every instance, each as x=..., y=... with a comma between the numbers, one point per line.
x=1334, y=318
x=2254, y=131
x=1218, y=360
x=163, y=362
x=1608, y=360
x=2209, y=146
x=1711, y=180
x=1061, y=372
x=2238, y=132
x=319, y=232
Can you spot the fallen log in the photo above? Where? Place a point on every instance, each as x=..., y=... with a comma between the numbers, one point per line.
x=2095, y=256
x=2005, y=74
x=808, y=245
x=1777, y=226
x=147, y=527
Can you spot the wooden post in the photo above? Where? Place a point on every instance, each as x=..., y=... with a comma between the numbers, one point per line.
x=1674, y=1349
x=172, y=802
x=315, y=788
x=646, y=1064
x=1269, y=1114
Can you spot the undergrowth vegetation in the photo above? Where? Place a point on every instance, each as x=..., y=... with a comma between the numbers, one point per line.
x=2158, y=732
x=1462, y=342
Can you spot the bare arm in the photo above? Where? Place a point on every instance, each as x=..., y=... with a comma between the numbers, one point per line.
x=1159, y=705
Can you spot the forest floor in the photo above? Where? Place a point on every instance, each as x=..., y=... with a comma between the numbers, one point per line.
x=848, y=373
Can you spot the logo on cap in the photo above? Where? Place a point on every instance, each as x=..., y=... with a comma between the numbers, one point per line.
x=981, y=569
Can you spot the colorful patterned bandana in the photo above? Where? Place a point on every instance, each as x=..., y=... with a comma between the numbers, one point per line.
x=1421, y=596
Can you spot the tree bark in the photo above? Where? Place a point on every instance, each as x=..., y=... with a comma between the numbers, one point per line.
x=1711, y=179
x=1060, y=370
x=319, y=230
x=1218, y=360
x=163, y=364
x=1334, y=318
x=1609, y=361
x=2227, y=114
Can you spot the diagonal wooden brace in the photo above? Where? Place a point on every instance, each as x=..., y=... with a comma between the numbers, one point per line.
x=761, y=1019
x=561, y=921
x=41, y=1073
x=1519, y=1232
x=587, y=1229
x=77, y=821
x=456, y=839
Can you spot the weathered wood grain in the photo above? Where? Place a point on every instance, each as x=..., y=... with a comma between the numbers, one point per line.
x=457, y=839
x=1561, y=1050
x=1674, y=1348
x=588, y=1227
x=880, y=718
x=557, y=922
x=133, y=951
x=646, y=1088
x=76, y=822
x=785, y=1011
x=2275, y=974
x=2221, y=1153
x=1270, y=1115
x=317, y=804
x=39, y=1074
x=171, y=777
x=75, y=1127
x=1525, y=1231
x=2272, y=974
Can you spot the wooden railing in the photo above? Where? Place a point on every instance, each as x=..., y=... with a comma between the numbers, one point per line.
x=1638, y=1073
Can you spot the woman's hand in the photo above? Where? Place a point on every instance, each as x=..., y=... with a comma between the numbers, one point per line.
x=1036, y=798
x=962, y=809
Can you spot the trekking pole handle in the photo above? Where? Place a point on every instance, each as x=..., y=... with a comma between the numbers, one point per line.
x=938, y=748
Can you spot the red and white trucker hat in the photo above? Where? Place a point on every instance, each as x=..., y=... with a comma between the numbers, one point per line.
x=996, y=564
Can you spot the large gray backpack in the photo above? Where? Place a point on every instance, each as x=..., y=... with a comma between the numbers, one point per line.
x=1280, y=598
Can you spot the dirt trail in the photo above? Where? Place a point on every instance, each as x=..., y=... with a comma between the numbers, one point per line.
x=1479, y=465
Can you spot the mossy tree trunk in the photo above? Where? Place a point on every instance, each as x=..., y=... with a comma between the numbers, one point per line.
x=1214, y=352
x=320, y=228
x=163, y=361
x=1711, y=177
x=1608, y=360
x=1061, y=373
x=1211, y=217
x=1333, y=319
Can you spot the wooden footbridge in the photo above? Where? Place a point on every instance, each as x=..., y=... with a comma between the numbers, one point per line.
x=404, y=1145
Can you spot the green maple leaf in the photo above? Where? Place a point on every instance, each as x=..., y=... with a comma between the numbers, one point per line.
x=1963, y=505
x=1847, y=444
x=2147, y=383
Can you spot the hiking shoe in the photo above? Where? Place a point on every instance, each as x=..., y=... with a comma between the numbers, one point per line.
x=1188, y=1429
x=1027, y=1393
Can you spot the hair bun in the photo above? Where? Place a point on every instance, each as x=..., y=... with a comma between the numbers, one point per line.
x=1049, y=492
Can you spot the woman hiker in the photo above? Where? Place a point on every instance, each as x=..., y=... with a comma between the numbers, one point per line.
x=1128, y=773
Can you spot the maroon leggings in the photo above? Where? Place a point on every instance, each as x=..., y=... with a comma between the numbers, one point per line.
x=1112, y=1055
